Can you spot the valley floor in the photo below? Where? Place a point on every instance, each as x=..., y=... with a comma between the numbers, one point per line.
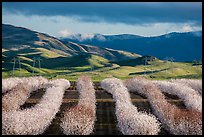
x=155, y=71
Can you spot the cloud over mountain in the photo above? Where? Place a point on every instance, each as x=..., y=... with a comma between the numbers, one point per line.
x=114, y=12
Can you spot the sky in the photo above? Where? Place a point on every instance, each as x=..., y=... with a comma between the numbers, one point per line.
x=62, y=19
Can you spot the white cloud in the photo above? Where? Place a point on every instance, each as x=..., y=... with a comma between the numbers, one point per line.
x=81, y=37
x=187, y=28
x=65, y=33
x=190, y=27
x=68, y=26
x=87, y=36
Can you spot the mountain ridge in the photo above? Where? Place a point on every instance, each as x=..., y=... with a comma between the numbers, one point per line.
x=18, y=37
x=182, y=46
x=125, y=35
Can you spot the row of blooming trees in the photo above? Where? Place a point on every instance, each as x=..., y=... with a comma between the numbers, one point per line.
x=34, y=120
x=130, y=120
x=176, y=121
x=80, y=119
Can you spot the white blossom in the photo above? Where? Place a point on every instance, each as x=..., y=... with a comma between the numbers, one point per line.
x=35, y=120
x=20, y=92
x=130, y=121
x=195, y=84
x=80, y=119
x=9, y=83
x=190, y=97
x=34, y=82
x=176, y=121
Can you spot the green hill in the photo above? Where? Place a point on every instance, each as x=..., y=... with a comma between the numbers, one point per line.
x=22, y=39
x=99, y=68
x=57, y=65
x=137, y=61
x=70, y=60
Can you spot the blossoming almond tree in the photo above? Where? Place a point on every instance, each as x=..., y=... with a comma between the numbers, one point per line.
x=20, y=92
x=35, y=120
x=9, y=83
x=130, y=121
x=80, y=119
x=175, y=120
x=190, y=97
x=195, y=84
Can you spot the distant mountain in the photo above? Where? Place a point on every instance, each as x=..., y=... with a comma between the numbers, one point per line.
x=181, y=46
x=24, y=40
x=98, y=37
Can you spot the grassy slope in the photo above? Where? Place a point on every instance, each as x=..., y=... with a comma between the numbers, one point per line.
x=181, y=70
x=58, y=66
x=49, y=54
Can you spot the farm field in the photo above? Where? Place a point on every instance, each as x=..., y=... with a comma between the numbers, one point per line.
x=106, y=119
x=97, y=67
x=158, y=71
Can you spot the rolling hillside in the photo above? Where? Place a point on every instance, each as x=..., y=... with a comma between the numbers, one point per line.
x=70, y=60
x=17, y=38
x=96, y=67
x=55, y=57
